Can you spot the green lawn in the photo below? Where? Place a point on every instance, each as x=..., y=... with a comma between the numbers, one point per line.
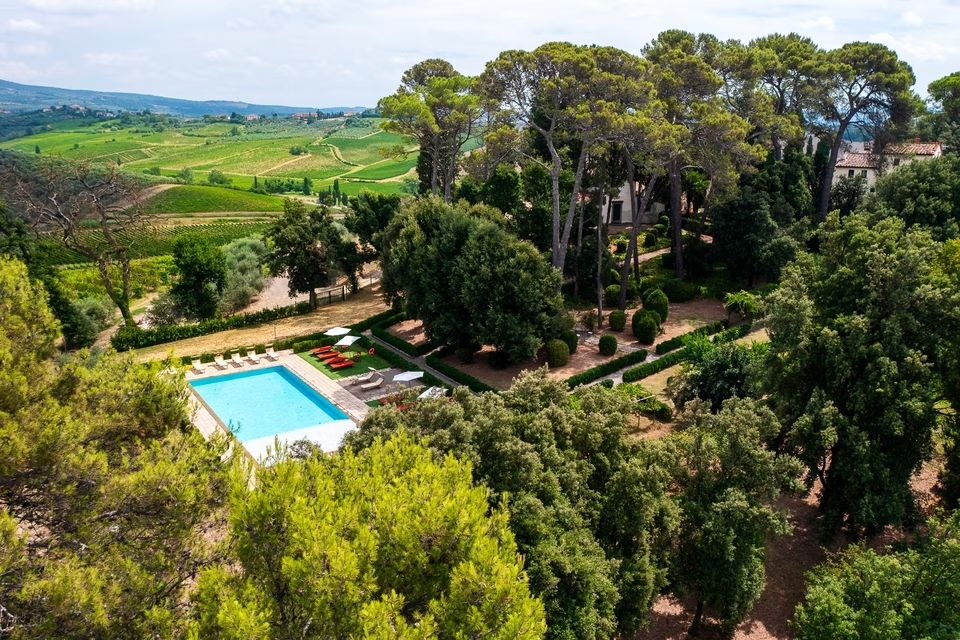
x=196, y=198
x=366, y=360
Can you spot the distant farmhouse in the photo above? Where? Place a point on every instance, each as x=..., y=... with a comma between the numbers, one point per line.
x=859, y=159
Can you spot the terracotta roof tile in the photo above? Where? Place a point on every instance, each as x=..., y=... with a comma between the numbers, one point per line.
x=858, y=161
x=913, y=148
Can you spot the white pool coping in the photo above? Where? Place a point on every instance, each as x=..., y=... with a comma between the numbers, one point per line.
x=327, y=436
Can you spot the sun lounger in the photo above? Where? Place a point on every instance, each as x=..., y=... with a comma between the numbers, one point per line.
x=198, y=367
x=334, y=361
x=364, y=377
x=329, y=356
x=219, y=363
x=372, y=385
x=319, y=350
x=252, y=357
x=346, y=364
x=271, y=354
x=235, y=360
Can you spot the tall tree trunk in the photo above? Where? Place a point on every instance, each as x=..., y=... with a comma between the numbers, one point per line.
x=697, y=619
x=555, y=196
x=600, y=261
x=676, y=219
x=120, y=299
x=434, y=168
x=313, y=298
x=633, y=251
x=561, y=256
x=702, y=221
x=576, y=280
x=824, y=205
x=451, y=175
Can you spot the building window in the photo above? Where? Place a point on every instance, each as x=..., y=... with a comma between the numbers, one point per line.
x=850, y=173
x=617, y=212
x=864, y=173
x=896, y=162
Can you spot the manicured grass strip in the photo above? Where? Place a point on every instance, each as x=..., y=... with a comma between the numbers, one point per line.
x=435, y=361
x=366, y=360
x=606, y=368
x=677, y=342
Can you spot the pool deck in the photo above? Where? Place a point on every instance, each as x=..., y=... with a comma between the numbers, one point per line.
x=208, y=424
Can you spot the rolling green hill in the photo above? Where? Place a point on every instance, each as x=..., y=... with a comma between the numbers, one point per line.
x=197, y=198
x=348, y=149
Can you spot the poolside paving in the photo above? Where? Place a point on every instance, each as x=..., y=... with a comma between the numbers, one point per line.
x=208, y=423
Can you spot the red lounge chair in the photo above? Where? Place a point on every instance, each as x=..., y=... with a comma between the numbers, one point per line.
x=346, y=364
x=330, y=356
x=320, y=350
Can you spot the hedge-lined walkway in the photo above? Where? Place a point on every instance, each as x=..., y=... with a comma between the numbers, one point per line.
x=359, y=306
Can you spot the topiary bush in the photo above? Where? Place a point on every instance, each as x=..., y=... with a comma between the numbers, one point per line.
x=657, y=300
x=464, y=354
x=660, y=229
x=645, y=327
x=617, y=319
x=260, y=348
x=608, y=345
x=572, y=340
x=649, y=240
x=558, y=353
x=606, y=384
x=611, y=295
x=665, y=221
x=680, y=290
x=498, y=359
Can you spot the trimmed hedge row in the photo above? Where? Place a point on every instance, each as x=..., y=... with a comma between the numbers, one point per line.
x=434, y=360
x=677, y=341
x=135, y=338
x=734, y=333
x=661, y=363
x=408, y=348
x=606, y=368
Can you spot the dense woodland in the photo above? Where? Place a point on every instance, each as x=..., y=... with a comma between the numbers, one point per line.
x=528, y=513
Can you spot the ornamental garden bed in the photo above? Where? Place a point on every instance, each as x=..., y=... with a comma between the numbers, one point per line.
x=682, y=318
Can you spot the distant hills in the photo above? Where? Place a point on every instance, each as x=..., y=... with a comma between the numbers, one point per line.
x=17, y=97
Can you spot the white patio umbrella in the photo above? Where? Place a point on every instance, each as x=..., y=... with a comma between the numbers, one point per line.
x=406, y=376
x=336, y=331
x=346, y=341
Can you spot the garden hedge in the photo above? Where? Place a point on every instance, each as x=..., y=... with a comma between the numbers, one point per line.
x=677, y=341
x=607, y=368
x=661, y=363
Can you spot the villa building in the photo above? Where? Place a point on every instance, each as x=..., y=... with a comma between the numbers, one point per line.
x=860, y=159
x=618, y=211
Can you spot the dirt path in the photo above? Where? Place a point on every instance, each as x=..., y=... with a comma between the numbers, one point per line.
x=298, y=158
x=338, y=155
x=359, y=306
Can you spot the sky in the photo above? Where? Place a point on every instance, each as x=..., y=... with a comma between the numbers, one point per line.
x=317, y=53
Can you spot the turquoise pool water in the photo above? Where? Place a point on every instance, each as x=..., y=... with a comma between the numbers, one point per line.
x=263, y=403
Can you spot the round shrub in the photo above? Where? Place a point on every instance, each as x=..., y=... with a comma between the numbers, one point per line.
x=498, y=359
x=606, y=384
x=680, y=290
x=660, y=230
x=657, y=300
x=611, y=295
x=572, y=340
x=618, y=319
x=645, y=327
x=464, y=354
x=633, y=288
x=664, y=220
x=558, y=353
x=649, y=240
x=621, y=245
x=608, y=345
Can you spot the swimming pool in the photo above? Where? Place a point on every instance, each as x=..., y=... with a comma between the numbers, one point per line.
x=262, y=405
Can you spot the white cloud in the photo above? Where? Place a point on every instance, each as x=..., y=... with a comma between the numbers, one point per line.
x=25, y=25
x=17, y=71
x=913, y=50
x=911, y=19
x=91, y=6
x=32, y=49
x=112, y=59
x=216, y=54
x=823, y=23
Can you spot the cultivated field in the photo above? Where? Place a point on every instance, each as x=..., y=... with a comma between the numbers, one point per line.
x=347, y=149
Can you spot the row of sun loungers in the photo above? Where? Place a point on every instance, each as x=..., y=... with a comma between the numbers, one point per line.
x=236, y=361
